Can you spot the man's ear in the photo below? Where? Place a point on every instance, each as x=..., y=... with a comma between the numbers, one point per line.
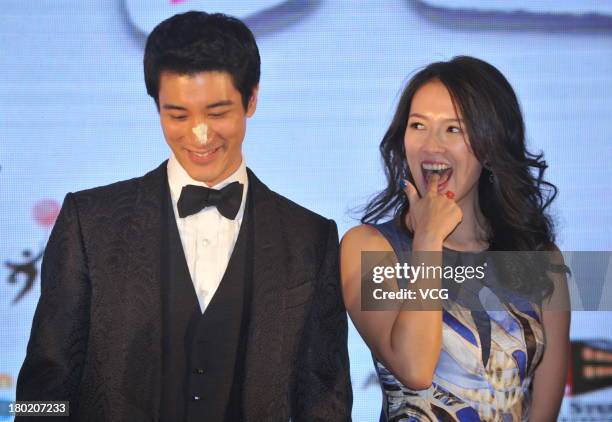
x=252, y=104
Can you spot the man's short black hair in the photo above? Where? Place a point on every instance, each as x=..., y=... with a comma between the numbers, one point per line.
x=194, y=42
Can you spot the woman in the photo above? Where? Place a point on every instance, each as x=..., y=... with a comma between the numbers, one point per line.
x=460, y=178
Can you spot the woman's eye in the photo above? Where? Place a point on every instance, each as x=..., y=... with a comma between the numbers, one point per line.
x=417, y=125
x=174, y=117
x=454, y=129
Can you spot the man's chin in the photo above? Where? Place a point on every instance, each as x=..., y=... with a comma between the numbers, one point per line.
x=200, y=174
x=209, y=179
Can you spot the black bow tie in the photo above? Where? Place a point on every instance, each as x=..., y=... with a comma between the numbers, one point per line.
x=193, y=199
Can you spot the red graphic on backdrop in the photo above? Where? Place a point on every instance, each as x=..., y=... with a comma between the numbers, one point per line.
x=590, y=366
x=45, y=212
x=177, y=1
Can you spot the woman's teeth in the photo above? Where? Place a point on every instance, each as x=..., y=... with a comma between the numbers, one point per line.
x=435, y=167
x=443, y=170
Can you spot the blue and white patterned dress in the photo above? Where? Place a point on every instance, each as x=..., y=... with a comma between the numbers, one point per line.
x=486, y=364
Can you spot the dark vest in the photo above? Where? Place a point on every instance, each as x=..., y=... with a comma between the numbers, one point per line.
x=203, y=354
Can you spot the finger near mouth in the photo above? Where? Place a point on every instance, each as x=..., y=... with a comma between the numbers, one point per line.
x=444, y=175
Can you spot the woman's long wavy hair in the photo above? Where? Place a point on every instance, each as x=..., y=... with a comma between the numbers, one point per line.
x=513, y=195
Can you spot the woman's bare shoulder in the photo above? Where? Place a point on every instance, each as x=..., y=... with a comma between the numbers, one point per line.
x=365, y=237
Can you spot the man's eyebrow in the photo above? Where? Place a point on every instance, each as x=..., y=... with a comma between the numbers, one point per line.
x=173, y=107
x=220, y=104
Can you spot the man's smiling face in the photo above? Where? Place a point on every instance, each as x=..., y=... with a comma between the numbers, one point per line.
x=205, y=98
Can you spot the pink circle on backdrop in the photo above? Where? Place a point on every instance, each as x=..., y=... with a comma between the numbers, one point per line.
x=45, y=212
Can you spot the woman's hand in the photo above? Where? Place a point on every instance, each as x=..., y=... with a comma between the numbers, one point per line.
x=432, y=218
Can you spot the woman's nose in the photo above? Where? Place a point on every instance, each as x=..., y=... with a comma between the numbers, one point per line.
x=433, y=143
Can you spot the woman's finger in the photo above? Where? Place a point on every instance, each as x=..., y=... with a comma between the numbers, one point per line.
x=411, y=192
x=432, y=184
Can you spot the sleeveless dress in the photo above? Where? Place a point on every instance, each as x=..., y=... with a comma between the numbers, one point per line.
x=487, y=359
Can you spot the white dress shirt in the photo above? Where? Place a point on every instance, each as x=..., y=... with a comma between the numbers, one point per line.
x=207, y=237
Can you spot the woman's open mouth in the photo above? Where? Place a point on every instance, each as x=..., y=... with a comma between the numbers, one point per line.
x=430, y=168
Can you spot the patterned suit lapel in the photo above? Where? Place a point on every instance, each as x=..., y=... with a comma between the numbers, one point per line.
x=263, y=375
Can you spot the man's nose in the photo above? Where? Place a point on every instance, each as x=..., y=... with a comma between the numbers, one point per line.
x=201, y=131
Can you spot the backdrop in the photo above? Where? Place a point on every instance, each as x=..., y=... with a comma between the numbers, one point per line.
x=74, y=114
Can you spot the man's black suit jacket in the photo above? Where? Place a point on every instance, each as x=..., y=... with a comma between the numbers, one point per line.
x=96, y=336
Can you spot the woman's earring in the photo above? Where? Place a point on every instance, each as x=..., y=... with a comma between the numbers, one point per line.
x=487, y=167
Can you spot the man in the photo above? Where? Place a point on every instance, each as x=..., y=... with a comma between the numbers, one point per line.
x=193, y=292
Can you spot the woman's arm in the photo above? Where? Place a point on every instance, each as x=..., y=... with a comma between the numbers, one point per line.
x=551, y=373
x=406, y=342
